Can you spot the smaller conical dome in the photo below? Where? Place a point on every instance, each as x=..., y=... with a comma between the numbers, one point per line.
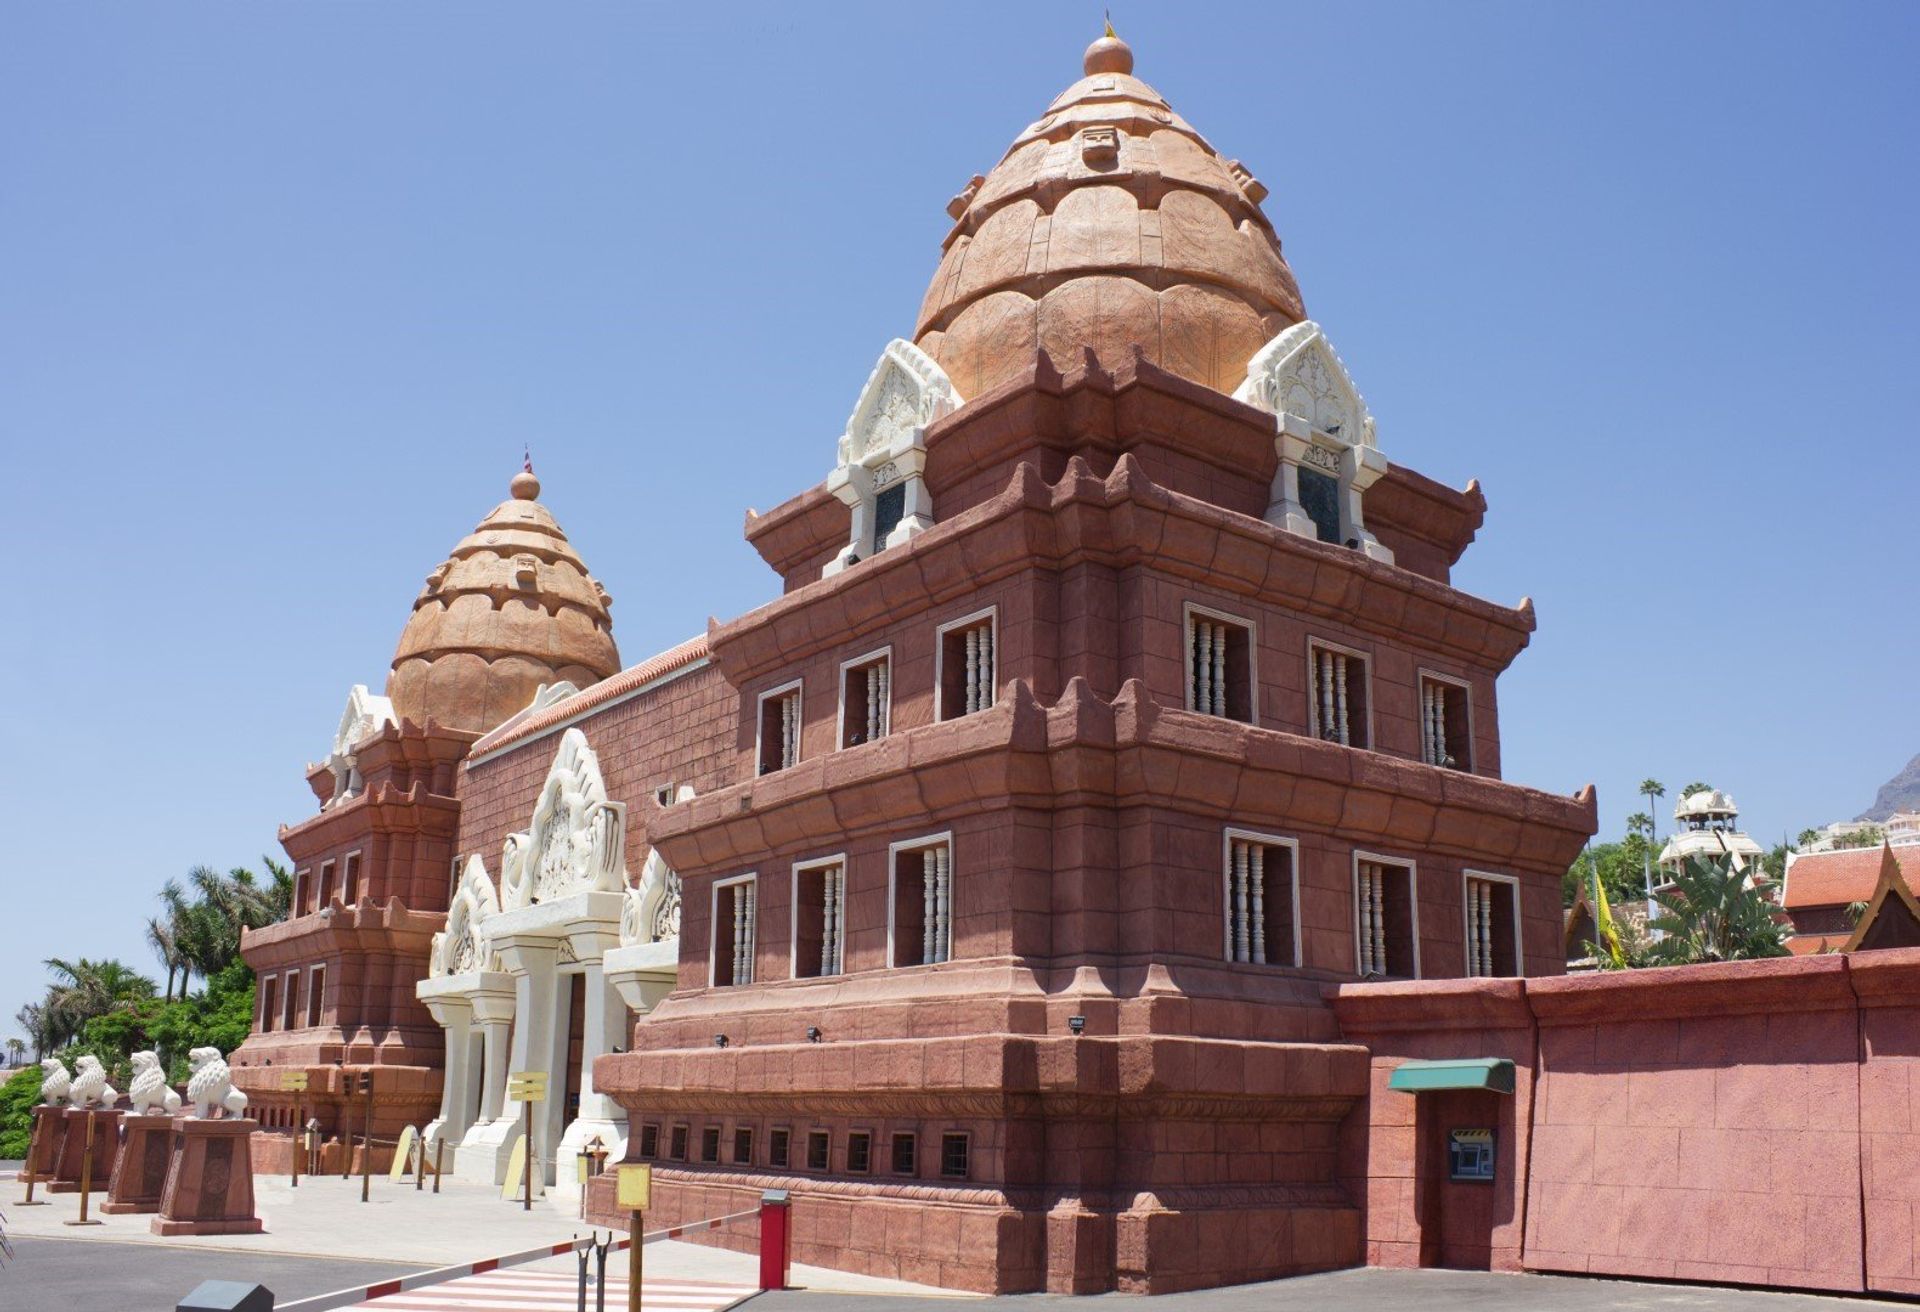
x=512, y=608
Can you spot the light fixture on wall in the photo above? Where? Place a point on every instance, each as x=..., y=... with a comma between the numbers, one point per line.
x=813, y=1034
x=1078, y=1024
x=719, y=1040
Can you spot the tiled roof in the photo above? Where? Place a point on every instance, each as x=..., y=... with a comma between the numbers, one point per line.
x=598, y=694
x=1828, y=879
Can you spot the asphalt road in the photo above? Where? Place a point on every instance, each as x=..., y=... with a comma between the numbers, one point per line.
x=63, y=1275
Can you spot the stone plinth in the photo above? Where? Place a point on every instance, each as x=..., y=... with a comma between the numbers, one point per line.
x=73, y=1148
x=140, y=1172
x=43, y=1156
x=209, y=1189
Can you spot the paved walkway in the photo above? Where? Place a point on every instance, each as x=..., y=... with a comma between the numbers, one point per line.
x=1368, y=1290
x=68, y=1275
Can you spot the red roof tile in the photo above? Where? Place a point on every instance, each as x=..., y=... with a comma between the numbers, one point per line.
x=1830, y=879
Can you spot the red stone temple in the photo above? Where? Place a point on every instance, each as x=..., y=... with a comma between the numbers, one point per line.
x=1093, y=870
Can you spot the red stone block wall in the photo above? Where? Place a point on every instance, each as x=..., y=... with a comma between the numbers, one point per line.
x=678, y=733
x=1750, y=1122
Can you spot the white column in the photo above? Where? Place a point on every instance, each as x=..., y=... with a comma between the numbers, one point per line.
x=928, y=877
x=456, y=1078
x=539, y=1038
x=1219, y=653
x=1257, y=880
x=943, y=902
x=1241, y=945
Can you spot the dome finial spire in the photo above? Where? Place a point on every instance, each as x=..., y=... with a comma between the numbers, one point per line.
x=1109, y=54
x=525, y=487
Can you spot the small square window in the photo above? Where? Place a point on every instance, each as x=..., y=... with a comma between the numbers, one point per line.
x=777, y=1148
x=1219, y=666
x=953, y=1156
x=649, y=1141
x=679, y=1150
x=663, y=795
x=742, y=1146
x=780, y=729
x=903, y=1155
x=967, y=667
x=819, y=1146
x=820, y=916
x=710, y=1144
x=1445, y=739
x=859, y=1152
x=866, y=701
x=1338, y=696
x=889, y=507
x=1320, y=498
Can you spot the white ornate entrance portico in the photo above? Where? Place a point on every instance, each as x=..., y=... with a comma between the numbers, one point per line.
x=507, y=964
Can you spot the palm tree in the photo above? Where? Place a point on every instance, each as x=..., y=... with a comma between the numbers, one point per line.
x=84, y=989
x=38, y=1024
x=160, y=939
x=1711, y=913
x=1640, y=823
x=1653, y=790
x=1806, y=839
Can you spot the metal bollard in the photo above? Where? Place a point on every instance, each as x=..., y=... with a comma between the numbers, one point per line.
x=600, y=1272
x=581, y=1302
x=420, y=1161
x=438, y=1144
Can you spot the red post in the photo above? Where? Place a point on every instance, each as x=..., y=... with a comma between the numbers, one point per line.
x=776, y=1238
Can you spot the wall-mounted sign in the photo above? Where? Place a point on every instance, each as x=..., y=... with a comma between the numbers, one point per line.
x=1470, y=1155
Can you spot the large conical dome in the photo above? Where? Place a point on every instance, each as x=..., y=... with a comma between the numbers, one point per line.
x=512, y=608
x=1110, y=224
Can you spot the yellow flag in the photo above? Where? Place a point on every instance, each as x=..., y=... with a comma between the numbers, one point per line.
x=1603, y=921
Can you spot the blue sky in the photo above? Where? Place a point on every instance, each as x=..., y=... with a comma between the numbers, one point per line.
x=284, y=289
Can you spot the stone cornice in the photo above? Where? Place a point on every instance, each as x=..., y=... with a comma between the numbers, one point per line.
x=341, y=929
x=1417, y=1005
x=1086, y=750
x=1121, y=520
x=381, y=809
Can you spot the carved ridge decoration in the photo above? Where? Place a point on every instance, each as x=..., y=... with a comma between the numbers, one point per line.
x=464, y=945
x=651, y=912
x=1299, y=373
x=905, y=392
x=577, y=842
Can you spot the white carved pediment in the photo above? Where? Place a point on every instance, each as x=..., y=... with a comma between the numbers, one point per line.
x=905, y=392
x=1298, y=373
x=577, y=841
x=365, y=715
x=465, y=945
x=651, y=912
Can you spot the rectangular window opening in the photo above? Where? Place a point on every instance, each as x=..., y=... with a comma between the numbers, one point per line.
x=1444, y=735
x=1386, y=924
x=923, y=904
x=967, y=660
x=859, y=1152
x=650, y=1141
x=820, y=912
x=819, y=1146
x=1339, y=696
x=777, y=1141
x=269, y=1002
x=1260, y=894
x=1320, y=498
x=735, y=922
x=325, y=894
x=1493, y=945
x=1219, y=666
x=889, y=508
x=710, y=1143
x=678, y=1150
x=866, y=701
x=903, y=1155
x=742, y=1146
x=953, y=1156
x=350, y=890
x=780, y=729
x=316, y=991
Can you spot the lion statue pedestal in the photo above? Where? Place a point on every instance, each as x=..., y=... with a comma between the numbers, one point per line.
x=140, y=1175
x=209, y=1187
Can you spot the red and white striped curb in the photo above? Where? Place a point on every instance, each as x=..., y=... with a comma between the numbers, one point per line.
x=556, y=1291
x=386, y=1289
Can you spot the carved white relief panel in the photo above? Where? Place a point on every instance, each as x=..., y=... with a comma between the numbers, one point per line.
x=464, y=945
x=1299, y=373
x=577, y=842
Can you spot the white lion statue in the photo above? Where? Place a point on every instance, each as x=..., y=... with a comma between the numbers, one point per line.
x=53, y=1089
x=90, y=1084
x=210, y=1084
x=150, y=1092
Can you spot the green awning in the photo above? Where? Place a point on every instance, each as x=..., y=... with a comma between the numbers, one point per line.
x=1494, y=1073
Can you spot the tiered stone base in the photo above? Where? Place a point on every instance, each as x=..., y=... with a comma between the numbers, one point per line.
x=209, y=1189
x=140, y=1173
x=1136, y=1163
x=73, y=1148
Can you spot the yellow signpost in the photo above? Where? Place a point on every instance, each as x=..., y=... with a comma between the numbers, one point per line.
x=633, y=1192
x=402, y=1156
x=527, y=1088
x=295, y=1082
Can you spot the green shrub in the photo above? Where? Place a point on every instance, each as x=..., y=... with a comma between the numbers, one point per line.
x=17, y=1097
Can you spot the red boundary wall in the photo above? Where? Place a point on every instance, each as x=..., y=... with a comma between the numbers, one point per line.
x=1751, y=1122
